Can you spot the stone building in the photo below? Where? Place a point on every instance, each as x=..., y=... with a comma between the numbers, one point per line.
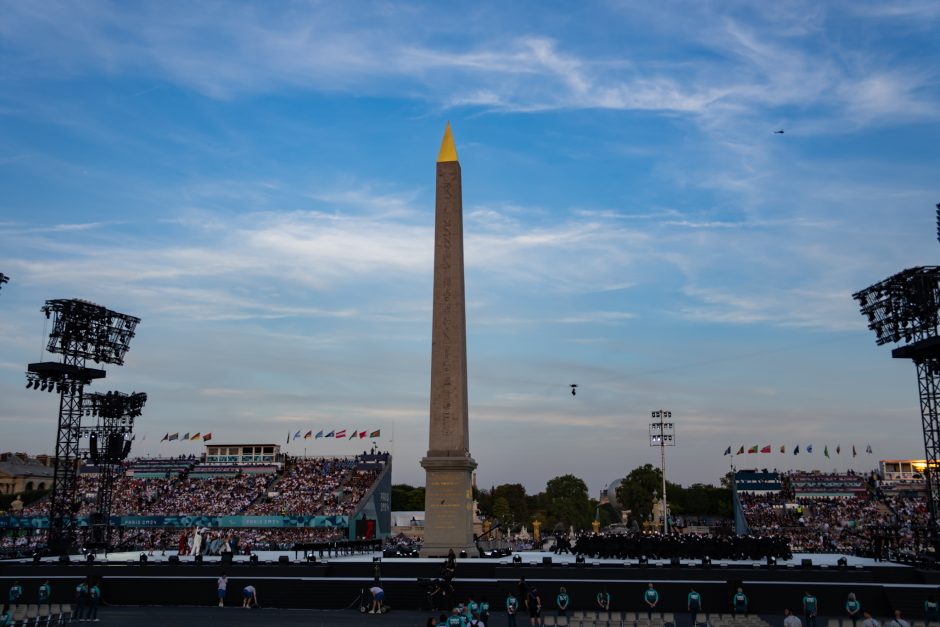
x=21, y=473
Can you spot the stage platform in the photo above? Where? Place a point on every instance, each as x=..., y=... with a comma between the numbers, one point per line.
x=335, y=583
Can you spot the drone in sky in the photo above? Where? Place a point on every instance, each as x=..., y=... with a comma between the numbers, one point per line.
x=574, y=389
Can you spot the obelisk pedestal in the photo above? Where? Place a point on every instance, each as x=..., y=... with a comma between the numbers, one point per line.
x=448, y=505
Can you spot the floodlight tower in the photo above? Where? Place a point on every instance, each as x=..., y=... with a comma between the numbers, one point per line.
x=109, y=443
x=80, y=331
x=906, y=308
x=662, y=434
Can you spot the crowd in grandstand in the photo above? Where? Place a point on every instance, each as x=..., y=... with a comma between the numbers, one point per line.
x=307, y=486
x=843, y=513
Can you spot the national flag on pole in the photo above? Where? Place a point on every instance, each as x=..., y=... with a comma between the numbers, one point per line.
x=838, y=449
x=826, y=450
x=728, y=451
x=809, y=448
x=796, y=449
x=207, y=437
x=174, y=436
x=868, y=449
x=783, y=449
x=308, y=435
x=362, y=435
x=853, y=451
x=753, y=449
x=376, y=434
x=329, y=435
x=766, y=449
x=319, y=435
x=339, y=434
x=196, y=436
x=166, y=437
x=353, y=434
x=740, y=451
x=186, y=437
x=288, y=438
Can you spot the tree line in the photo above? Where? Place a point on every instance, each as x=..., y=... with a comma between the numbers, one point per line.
x=565, y=502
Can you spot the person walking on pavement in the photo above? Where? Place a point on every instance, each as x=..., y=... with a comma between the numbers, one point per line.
x=81, y=600
x=931, y=611
x=94, y=597
x=790, y=620
x=853, y=608
x=810, y=609
x=512, y=606
x=249, y=596
x=897, y=621
x=739, y=603
x=533, y=604
x=562, y=601
x=694, y=605
x=16, y=591
x=868, y=621
x=222, y=584
x=651, y=599
x=45, y=593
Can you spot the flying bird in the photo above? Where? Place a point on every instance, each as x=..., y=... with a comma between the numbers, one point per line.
x=780, y=132
x=574, y=389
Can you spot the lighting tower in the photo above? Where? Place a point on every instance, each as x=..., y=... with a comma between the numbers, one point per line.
x=662, y=434
x=904, y=308
x=109, y=443
x=80, y=331
x=3, y=279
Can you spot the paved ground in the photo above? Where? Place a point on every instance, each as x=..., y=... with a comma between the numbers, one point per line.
x=237, y=617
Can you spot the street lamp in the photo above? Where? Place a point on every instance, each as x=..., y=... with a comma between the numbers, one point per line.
x=662, y=434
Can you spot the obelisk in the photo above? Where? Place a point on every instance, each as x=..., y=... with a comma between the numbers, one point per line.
x=448, y=504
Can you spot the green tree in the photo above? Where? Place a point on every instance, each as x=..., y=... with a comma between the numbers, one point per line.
x=515, y=495
x=406, y=498
x=636, y=491
x=566, y=501
x=501, y=511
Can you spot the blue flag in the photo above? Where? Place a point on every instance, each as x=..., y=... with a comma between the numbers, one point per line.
x=297, y=435
x=796, y=449
x=319, y=434
x=809, y=448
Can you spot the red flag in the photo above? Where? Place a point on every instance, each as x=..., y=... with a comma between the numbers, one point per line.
x=766, y=449
x=207, y=437
x=341, y=434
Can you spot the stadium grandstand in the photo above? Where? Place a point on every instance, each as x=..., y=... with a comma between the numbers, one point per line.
x=255, y=496
x=833, y=512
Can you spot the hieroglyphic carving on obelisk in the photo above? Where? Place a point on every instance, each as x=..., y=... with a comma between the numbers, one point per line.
x=448, y=515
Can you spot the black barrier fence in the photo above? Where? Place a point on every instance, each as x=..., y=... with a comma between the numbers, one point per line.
x=335, y=585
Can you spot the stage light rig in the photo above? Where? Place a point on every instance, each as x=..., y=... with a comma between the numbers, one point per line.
x=905, y=308
x=81, y=331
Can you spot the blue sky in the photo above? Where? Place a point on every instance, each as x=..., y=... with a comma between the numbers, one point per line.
x=255, y=181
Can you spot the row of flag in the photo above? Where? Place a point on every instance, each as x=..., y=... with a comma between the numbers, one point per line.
x=796, y=450
x=169, y=437
x=354, y=434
